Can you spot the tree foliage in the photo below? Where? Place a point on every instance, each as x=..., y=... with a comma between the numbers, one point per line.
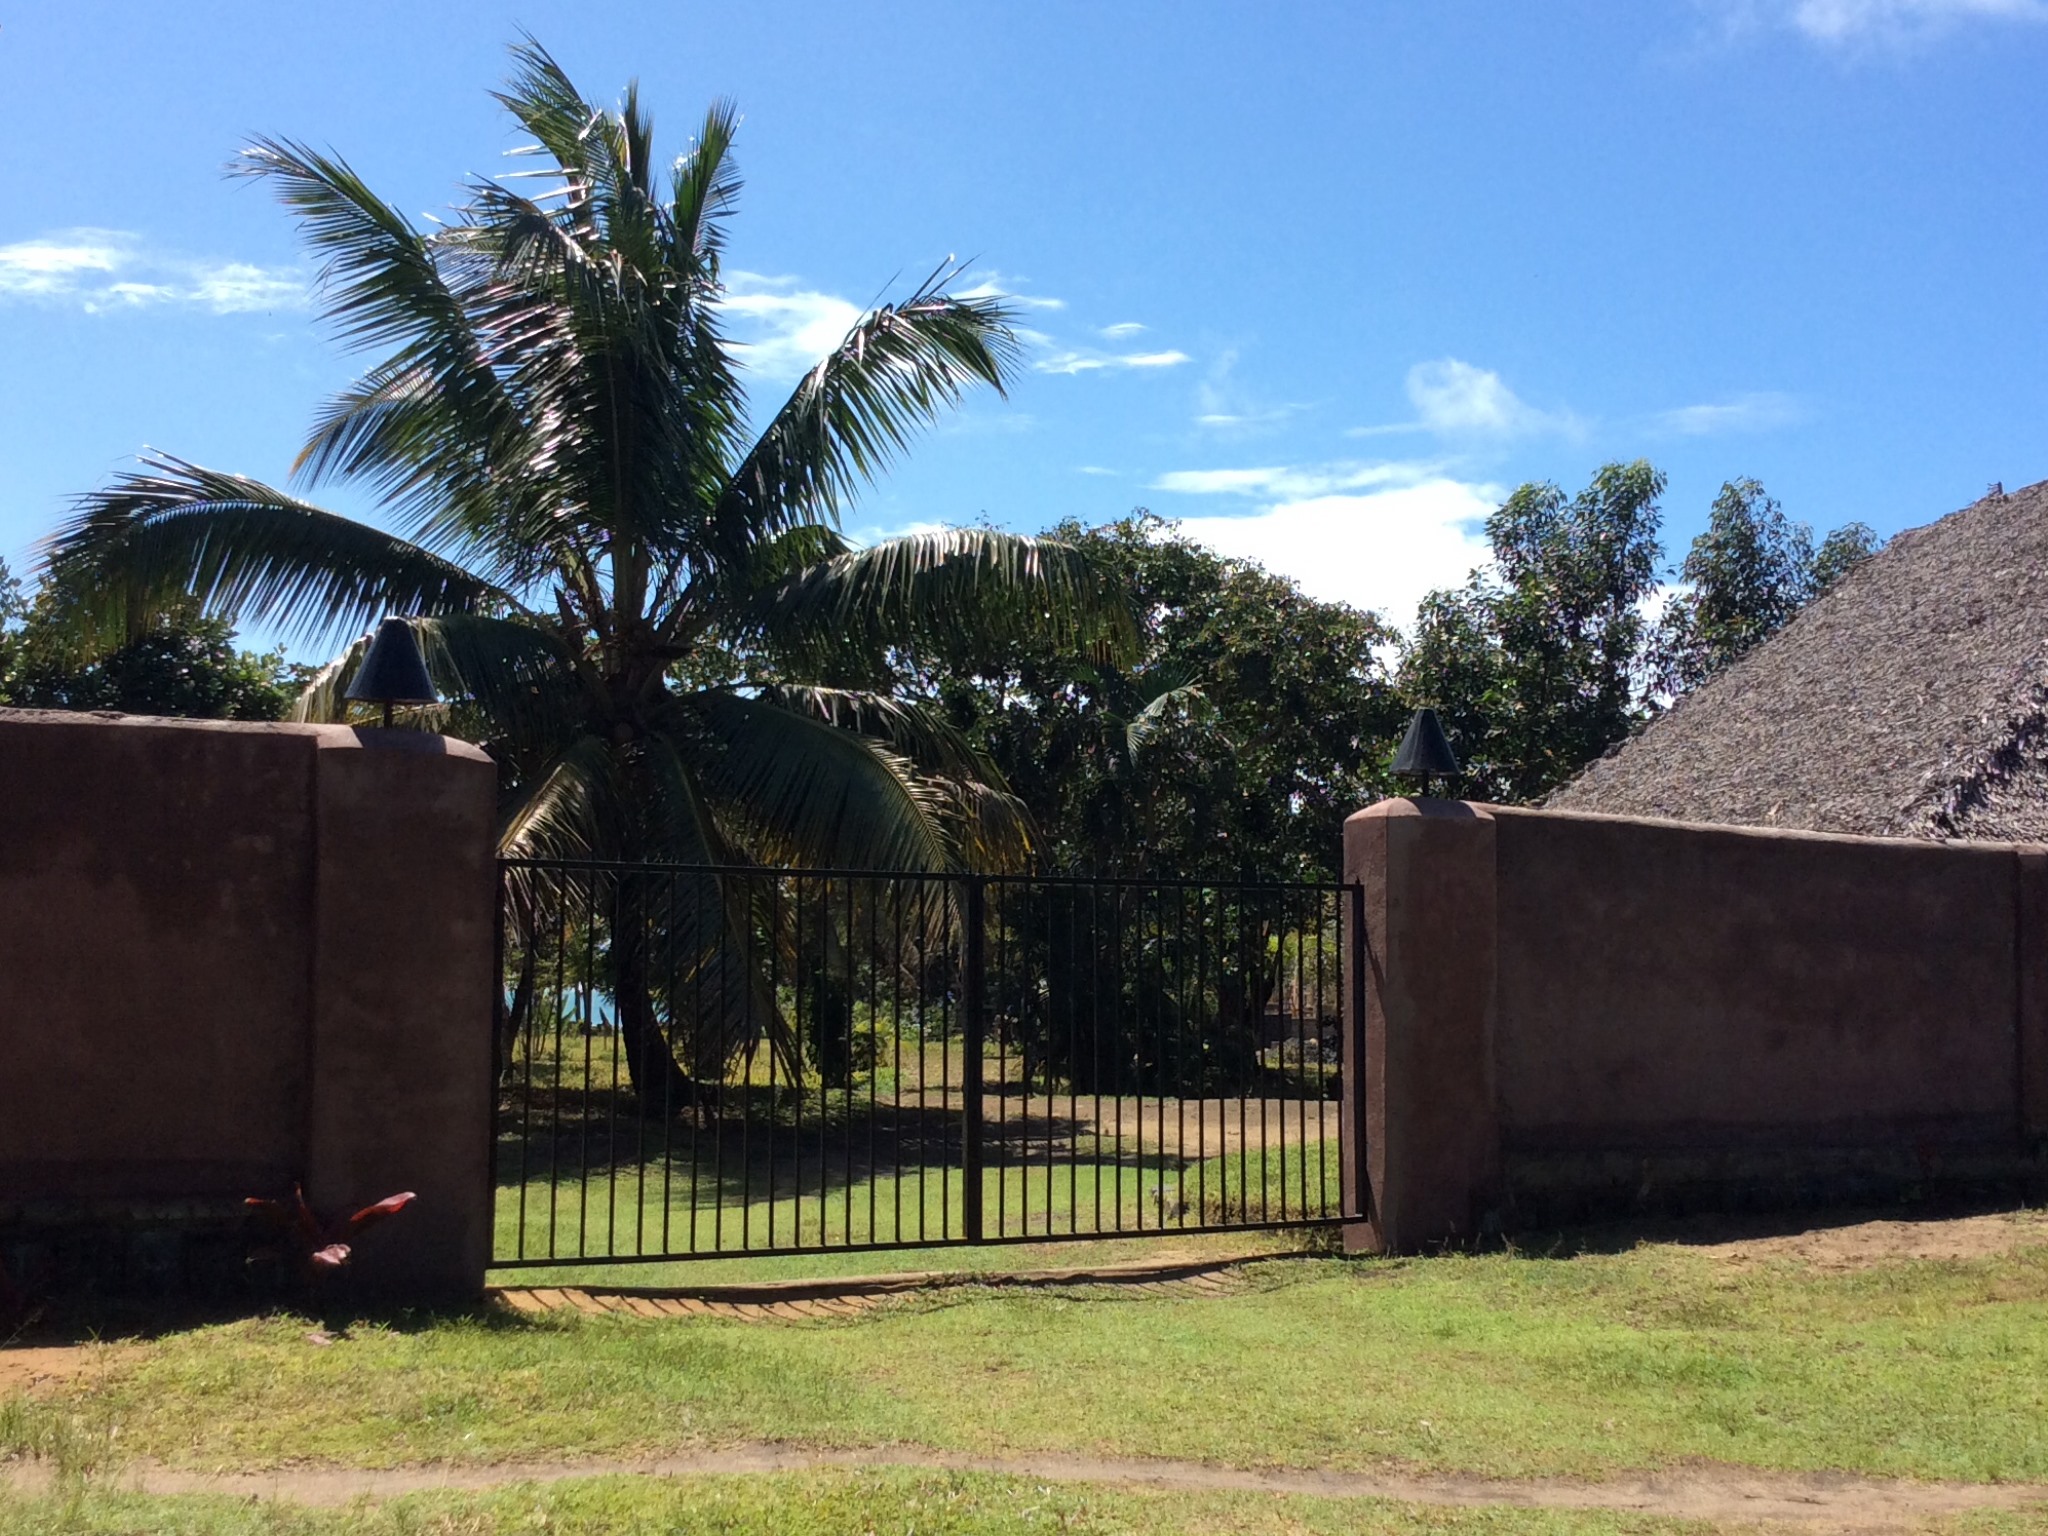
x=1743, y=580
x=1549, y=657
x=183, y=665
x=1246, y=723
x=1537, y=664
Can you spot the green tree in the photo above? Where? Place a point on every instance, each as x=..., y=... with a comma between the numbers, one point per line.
x=184, y=664
x=642, y=606
x=1539, y=664
x=1841, y=552
x=1745, y=577
x=1229, y=743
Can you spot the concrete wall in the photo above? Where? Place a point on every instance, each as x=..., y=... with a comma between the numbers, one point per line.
x=1573, y=1016
x=236, y=956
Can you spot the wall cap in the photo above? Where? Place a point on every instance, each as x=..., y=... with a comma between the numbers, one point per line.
x=1424, y=808
x=1774, y=834
x=324, y=736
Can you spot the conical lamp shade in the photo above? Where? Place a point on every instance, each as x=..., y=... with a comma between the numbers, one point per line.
x=393, y=672
x=1425, y=750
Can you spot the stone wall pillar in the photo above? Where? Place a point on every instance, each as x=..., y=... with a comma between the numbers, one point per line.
x=1431, y=1127
x=232, y=957
x=404, y=963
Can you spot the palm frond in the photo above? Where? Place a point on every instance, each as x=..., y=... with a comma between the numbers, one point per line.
x=1171, y=698
x=704, y=191
x=432, y=426
x=701, y=926
x=990, y=828
x=987, y=826
x=611, y=351
x=561, y=812
x=853, y=414
x=380, y=282
x=962, y=588
x=547, y=105
x=247, y=553
x=809, y=793
x=456, y=496
x=920, y=734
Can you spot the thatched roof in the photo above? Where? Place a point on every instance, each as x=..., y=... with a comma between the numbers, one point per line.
x=1910, y=701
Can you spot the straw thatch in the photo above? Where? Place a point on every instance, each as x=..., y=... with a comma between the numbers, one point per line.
x=1910, y=701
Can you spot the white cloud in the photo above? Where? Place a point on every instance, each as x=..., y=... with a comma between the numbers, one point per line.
x=1223, y=405
x=1059, y=356
x=236, y=286
x=1291, y=481
x=1454, y=398
x=785, y=328
x=1861, y=23
x=874, y=533
x=1756, y=412
x=1087, y=360
x=1271, y=416
x=1092, y=469
x=991, y=284
x=103, y=270
x=1374, y=535
x=57, y=262
x=1381, y=549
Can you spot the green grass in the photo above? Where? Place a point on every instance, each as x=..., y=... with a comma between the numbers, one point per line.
x=802, y=1504
x=589, y=1182
x=1499, y=1365
x=645, y=1208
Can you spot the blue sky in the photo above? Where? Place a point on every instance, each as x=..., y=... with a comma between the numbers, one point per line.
x=1323, y=280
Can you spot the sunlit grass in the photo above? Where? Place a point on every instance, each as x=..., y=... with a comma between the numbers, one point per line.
x=826, y=1503
x=583, y=1179
x=1501, y=1365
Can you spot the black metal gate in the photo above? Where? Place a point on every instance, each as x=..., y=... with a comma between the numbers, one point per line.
x=700, y=1061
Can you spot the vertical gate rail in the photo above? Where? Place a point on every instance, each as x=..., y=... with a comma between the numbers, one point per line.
x=700, y=1061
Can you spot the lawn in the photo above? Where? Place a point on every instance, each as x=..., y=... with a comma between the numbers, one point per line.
x=646, y=1208
x=582, y=1178
x=815, y=1504
x=1500, y=1364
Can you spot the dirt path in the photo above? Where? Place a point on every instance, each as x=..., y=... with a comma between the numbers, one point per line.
x=51, y=1365
x=1862, y=1244
x=1823, y=1502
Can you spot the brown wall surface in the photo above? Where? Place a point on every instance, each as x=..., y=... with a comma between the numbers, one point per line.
x=1677, y=985
x=1685, y=1017
x=235, y=956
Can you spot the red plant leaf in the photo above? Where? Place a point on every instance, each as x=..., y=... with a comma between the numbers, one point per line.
x=390, y=1205
x=333, y=1256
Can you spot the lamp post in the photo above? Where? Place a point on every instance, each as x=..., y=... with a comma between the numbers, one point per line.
x=393, y=671
x=1425, y=751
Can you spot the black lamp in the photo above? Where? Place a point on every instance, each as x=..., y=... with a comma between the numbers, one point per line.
x=1425, y=751
x=393, y=671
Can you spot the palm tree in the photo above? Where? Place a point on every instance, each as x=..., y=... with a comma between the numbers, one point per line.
x=643, y=609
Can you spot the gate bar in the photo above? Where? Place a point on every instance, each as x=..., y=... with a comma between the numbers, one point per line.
x=972, y=986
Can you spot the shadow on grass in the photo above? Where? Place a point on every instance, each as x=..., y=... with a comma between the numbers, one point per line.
x=759, y=1143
